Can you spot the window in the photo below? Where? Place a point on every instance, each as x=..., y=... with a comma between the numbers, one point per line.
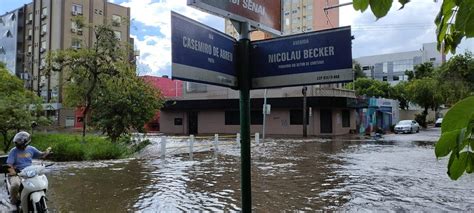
x=178, y=121
x=30, y=49
x=384, y=78
x=76, y=43
x=44, y=12
x=396, y=78
x=42, y=63
x=43, y=46
x=346, y=118
x=296, y=117
x=76, y=9
x=30, y=32
x=8, y=34
x=118, y=35
x=432, y=59
x=30, y=18
x=195, y=87
x=232, y=117
x=116, y=20
x=256, y=117
x=44, y=29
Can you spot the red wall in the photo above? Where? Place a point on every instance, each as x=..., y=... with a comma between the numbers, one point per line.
x=169, y=89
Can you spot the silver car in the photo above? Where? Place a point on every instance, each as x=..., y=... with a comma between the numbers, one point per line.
x=407, y=126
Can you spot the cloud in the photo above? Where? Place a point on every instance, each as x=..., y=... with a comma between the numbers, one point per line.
x=151, y=29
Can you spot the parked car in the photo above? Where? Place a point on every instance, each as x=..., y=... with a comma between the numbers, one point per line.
x=438, y=122
x=407, y=126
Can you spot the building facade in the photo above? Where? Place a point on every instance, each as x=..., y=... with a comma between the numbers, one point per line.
x=11, y=42
x=207, y=109
x=49, y=25
x=391, y=67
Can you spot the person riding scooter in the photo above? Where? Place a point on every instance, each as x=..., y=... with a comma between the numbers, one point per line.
x=20, y=157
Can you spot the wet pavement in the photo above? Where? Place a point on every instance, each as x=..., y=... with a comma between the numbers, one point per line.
x=400, y=174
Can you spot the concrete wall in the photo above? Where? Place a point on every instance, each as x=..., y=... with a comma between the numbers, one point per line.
x=278, y=123
x=410, y=114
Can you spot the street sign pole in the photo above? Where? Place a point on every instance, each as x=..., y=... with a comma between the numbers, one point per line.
x=244, y=85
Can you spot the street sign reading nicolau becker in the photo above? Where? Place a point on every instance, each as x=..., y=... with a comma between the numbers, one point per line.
x=201, y=54
x=320, y=57
x=263, y=14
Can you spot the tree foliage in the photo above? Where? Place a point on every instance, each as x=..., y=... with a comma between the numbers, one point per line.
x=125, y=102
x=18, y=107
x=87, y=69
x=357, y=69
x=421, y=71
x=371, y=88
x=425, y=93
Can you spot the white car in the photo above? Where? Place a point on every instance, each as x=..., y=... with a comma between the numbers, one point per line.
x=407, y=126
x=438, y=122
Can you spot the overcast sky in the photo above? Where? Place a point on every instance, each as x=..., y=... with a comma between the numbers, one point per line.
x=401, y=30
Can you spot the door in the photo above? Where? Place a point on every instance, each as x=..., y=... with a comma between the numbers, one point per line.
x=193, y=123
x=326, y=121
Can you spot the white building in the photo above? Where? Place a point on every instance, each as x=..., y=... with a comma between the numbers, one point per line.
x=391, y=67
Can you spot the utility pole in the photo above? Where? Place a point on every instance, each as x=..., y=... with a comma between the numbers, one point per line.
x=244, y=86
x=305, y=118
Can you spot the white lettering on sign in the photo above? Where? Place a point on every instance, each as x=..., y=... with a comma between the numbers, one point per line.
x=250, y=5
x=206, y=48
x=301, y=54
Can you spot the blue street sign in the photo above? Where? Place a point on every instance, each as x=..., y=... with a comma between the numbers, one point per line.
x=201, y=54
x=320, y=57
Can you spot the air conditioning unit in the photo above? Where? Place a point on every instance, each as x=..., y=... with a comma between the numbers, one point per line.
x=43, y=16
x=42, y=50
x=29, y=37
x=73, y=30
x=43, y=33
x=29, y=21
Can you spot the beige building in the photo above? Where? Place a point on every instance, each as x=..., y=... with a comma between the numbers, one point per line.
x=50, y=25
x=206, y=109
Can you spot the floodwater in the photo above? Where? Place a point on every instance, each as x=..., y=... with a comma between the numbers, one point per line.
x=305, y=175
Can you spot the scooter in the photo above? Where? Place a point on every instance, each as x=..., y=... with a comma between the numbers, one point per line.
x=34, y=185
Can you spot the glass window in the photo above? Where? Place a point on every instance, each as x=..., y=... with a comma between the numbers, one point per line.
x=195, y=87
x=118, y=35
x=256, y=117
x=396, y=78
x=30, y=17
x=385, y=67
x=346, y=118
x=232, y=117
x=178, y=121
x=116, y=20
x=76, y=43
x=43, y=45
x=76, y=9
x=296, y=117
x=385, y=78
x=44, y=11
x=30, y=49
x=44, y=29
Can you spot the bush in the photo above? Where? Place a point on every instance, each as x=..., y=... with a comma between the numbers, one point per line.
x=69, y=147
x=421, y=119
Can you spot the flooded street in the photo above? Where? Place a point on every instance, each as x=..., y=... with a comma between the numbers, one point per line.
x=309, y=175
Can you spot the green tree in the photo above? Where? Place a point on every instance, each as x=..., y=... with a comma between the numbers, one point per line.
x=400, y=93
x=357, y=69
x=371, y=88
x=421, y=71
x=88, y=68
x=18, y=107
x=125, y=102
x=425, y=93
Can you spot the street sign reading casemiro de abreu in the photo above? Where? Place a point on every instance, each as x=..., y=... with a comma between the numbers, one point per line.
x=312, y=58
x=201, y=54
x=263, y=14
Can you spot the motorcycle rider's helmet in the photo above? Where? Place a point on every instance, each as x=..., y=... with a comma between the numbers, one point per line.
x=22, y=139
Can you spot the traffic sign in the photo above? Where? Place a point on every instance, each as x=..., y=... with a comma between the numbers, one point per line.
x=311, y=58
x=202, y=54
x=263, y=14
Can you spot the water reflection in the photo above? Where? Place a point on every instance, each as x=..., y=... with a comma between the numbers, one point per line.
x=293, y=175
